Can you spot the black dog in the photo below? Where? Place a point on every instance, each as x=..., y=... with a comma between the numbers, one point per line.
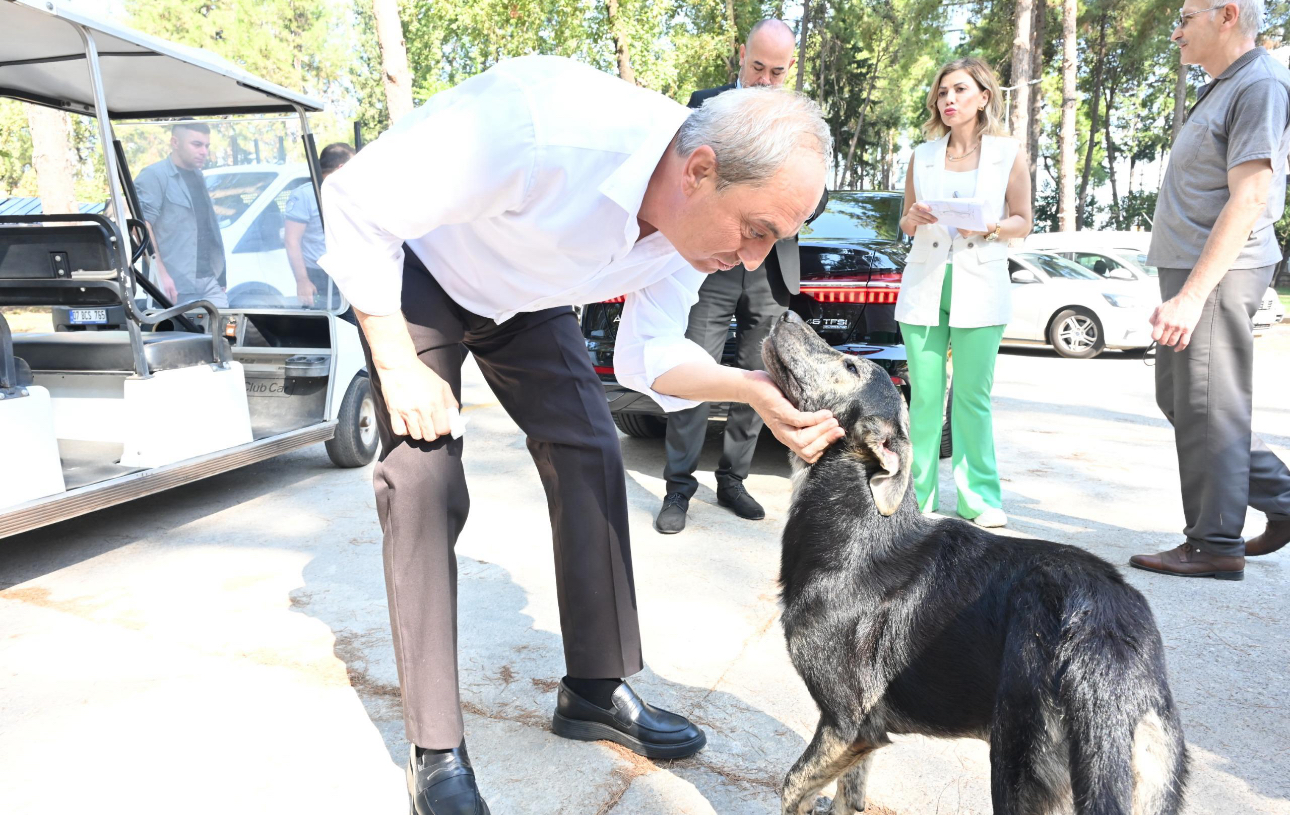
x=902, y=624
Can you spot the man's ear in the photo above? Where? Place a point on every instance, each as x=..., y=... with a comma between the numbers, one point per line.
x=890, y=480
x=700, y=167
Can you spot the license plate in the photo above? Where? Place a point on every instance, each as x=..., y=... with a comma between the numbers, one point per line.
x=89, y=316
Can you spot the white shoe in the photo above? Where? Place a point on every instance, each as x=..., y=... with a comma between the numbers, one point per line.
x=991, y=518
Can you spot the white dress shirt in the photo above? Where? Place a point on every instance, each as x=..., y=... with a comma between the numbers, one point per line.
x=519, y=190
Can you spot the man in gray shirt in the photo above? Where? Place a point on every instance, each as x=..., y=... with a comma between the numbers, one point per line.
x=303, y=234
x=181, y=219
x=1213, y=242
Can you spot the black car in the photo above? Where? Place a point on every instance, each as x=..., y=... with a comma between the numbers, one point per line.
x=852, y=258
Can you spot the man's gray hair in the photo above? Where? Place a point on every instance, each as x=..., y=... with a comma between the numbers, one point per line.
x=1250, y=20
x=753, y=131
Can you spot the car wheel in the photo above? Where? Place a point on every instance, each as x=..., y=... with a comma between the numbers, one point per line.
x=947, y=440
x=356, y=440
x=1076, y=334
x=641, y=425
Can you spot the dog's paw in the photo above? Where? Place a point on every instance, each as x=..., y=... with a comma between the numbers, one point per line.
x=823, y=806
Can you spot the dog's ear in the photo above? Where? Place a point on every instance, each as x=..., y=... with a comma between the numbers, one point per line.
x=891, y=450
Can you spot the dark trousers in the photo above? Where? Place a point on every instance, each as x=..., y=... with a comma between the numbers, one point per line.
x=745, y=296
x=538, y=367
x=1206, y=393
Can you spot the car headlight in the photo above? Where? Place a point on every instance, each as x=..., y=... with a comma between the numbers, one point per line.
x=1124, y=300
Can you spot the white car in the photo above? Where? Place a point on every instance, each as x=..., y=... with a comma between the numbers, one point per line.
x=1123, y=256
x=250, y=201
x=1058, y=302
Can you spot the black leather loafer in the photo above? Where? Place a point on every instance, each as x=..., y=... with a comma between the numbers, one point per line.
x=443, y=784
x=638, y=726
x=735, y=498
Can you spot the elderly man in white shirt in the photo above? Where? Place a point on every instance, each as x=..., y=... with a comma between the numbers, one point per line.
x=476, y=222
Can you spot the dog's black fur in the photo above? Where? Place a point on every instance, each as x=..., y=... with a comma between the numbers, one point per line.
x=902, y=624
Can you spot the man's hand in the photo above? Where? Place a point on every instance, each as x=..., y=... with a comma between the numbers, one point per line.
x=1174, y=320
x=306, y=291
x=167, y=284
x=806, y=434
x=418, y=400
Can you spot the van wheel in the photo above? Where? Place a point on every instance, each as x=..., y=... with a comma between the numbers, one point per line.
x=355, y=442
x=947, y=440
x=1076, y=334
x=641, y=425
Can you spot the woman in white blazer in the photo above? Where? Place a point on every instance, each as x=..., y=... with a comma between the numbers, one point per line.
x=955, y=289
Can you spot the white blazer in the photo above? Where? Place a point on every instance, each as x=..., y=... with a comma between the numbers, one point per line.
x=982, y=294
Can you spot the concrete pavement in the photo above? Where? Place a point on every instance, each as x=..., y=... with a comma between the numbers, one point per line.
x=225, y=647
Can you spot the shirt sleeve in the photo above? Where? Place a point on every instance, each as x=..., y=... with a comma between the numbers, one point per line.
x=1257, y=122
x=467, y=154
x=651, y=335
x=298, y=208
x=150, y=186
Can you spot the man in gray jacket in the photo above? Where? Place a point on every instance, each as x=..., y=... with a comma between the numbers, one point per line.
x=1213, y=242
x=740, y=293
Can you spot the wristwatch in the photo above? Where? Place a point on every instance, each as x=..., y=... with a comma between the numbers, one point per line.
x=994, y=236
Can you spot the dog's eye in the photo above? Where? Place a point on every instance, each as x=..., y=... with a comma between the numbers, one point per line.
x=851, y=366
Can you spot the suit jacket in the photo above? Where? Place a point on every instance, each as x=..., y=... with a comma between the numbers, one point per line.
x=783, y=262
x=699, y=97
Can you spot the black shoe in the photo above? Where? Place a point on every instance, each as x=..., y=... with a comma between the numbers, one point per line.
x=639, y=727
x=735, y=498
x=671, y=518
x=443, y=784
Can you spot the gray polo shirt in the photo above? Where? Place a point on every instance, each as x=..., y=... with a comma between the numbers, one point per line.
x=1241, y=116
x=302, y=207
x=167, y=204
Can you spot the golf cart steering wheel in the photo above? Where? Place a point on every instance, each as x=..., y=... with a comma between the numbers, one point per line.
x=141, y=243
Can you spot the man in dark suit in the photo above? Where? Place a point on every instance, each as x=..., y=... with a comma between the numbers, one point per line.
x=743, y=294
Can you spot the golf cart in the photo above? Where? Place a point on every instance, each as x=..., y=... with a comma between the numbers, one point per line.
x=127, y=393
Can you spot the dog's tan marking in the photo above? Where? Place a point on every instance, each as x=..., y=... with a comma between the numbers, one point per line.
x=827, y=756
x=1152, y=764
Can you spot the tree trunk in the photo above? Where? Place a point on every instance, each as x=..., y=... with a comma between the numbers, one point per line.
x=616, y=28
x=870, y=82
x=1019, y=120
x=1110, y=157
x=1180, y=102
x=1037, y=27
x=801, y=45
x=396, y=76
x=732, y=54
x=1094, y=124
x=51, y=158
x=1066, y=144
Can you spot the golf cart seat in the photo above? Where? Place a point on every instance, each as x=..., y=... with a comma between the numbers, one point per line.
x=109, y=351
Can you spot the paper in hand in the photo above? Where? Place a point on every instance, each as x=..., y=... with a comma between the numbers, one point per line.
x=965, y=214
x=456, y=423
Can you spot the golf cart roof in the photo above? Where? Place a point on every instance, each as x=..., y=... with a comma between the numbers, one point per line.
x=45, y=63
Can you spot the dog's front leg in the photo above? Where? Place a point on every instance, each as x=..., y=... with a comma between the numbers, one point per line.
x=851, y=788
x=830, y=753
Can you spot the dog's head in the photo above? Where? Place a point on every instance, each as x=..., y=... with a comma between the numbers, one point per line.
x=861, y=397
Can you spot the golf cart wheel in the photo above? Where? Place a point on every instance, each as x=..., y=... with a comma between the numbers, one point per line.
x=641, y=425
x=355, y=442
x=947, y=440
x=1076, y=334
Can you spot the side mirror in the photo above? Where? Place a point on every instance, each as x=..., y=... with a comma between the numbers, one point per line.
x=1120, y=274
x=1024, y=276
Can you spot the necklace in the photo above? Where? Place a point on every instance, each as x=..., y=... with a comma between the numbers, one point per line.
x=965, y=155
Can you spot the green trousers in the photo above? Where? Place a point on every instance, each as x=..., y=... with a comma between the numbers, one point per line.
x=976, y=475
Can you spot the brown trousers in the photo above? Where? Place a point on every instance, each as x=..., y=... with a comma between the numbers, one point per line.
x=538, y=367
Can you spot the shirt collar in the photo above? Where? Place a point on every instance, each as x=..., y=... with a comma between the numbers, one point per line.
x=1243, y=60
x=626, y=185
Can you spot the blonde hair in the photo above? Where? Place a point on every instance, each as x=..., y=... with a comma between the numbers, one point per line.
x=989, y=122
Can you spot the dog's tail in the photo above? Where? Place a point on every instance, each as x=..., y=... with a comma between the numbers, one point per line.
x=1128, y=755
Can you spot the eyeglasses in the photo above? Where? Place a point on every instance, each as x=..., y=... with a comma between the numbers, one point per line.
x=1182, y=18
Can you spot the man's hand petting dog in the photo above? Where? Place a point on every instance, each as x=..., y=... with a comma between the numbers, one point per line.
x=806, y=434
